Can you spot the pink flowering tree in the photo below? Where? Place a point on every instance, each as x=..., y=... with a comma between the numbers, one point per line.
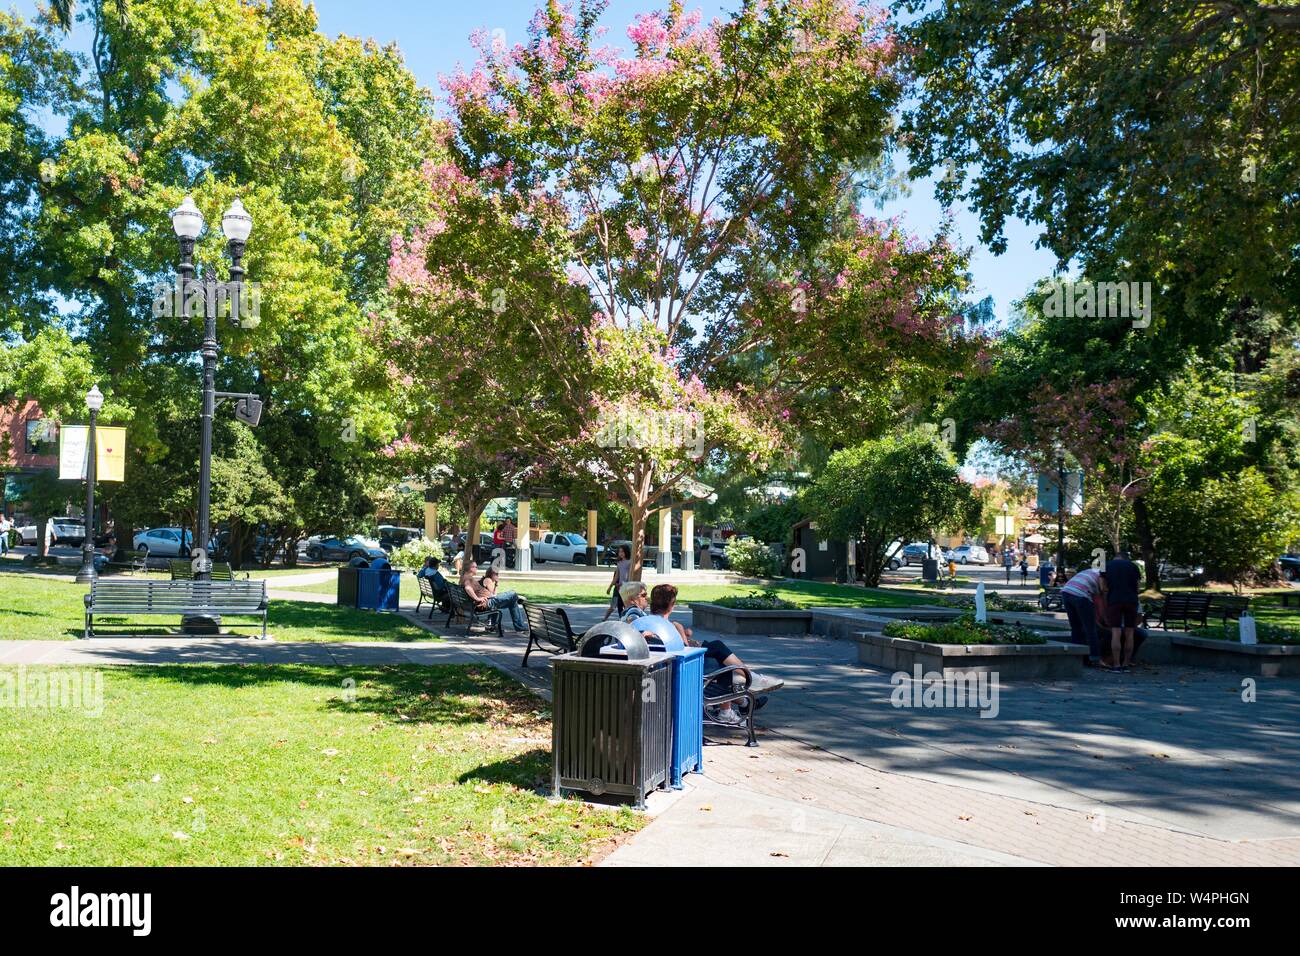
x=641, y=257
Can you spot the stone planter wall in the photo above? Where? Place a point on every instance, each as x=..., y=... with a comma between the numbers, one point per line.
x=728, y=620
x=1051, y=661
x=1255, y=660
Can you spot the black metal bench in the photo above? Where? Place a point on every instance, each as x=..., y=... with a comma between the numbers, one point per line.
x=180, y=598
x=184, y=571
x=462, y=607
x=1188, y=609
x=131, y=562
x=721, y=687
x=1051, y=600
x=548, y=630
x=1228, y=607
x=437, y=597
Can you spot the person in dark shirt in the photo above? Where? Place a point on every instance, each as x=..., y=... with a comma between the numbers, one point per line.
x=1123, y=579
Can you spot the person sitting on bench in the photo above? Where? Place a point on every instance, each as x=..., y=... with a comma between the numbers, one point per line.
x=436, y=581
x=635, y=599
x=485, y=597
x=663, y=599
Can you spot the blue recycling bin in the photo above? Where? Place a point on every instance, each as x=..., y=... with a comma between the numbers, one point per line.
x=688, y=696
x=378, y=589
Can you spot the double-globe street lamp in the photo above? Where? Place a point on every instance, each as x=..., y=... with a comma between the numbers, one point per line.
x=87, y=574
x=236, y=225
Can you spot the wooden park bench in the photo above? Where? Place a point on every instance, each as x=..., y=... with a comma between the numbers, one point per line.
x=438, y=599
x=183, y=570
x=1228, y=607
x=179, y=598
x=548, y=630
x=462, y=607
x=1182, y=608
x=1051, y=600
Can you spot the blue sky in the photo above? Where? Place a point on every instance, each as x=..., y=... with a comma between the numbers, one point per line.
x=434, y=37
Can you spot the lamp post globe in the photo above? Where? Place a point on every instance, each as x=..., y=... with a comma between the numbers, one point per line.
x=187, y=220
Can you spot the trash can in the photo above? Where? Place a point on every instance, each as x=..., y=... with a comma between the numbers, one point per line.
x=612, y=728
x=346, y=594
x=688, y=695
x=378, y=589
x=930, y=569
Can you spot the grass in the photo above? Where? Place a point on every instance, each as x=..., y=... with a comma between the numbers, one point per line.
x=1265, y=633
x=37, y=607
x=804, y=593
x=201, y=765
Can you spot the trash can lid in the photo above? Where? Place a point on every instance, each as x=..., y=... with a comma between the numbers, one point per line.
x=660, y=630
x=614, y=632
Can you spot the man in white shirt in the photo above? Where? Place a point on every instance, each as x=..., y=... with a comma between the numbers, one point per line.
x=5, y=525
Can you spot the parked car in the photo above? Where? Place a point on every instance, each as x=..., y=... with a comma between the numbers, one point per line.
x=568, y=546
x=393, y=536
x=345, y=549
x=970, y=554
x=163, y=542
x=1290, y=566
x=915, y=553
x=27, y=534
x=69, y=531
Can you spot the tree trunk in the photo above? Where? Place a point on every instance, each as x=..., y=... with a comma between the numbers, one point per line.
x=638, y=508
x=1146, y=542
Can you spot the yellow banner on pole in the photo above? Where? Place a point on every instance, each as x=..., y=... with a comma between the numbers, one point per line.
x=110, y=453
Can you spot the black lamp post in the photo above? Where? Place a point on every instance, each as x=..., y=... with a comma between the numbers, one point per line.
x=236, y=225
x=87, y=574
x=1060, y=511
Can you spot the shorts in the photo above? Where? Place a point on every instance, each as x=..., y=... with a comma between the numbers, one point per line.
x=1124, y=614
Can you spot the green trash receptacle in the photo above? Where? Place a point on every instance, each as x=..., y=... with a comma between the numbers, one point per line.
x=612, y=727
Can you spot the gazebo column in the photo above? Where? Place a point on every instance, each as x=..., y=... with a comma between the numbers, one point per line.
x=592, y=557
x=430, y=517
x=688, y=539
x=524, y=535
x=664, y=561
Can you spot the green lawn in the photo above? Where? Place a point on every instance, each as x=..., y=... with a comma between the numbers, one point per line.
x=1265, y=603
x=267, y=764
x=580, y=592
x=37, y=607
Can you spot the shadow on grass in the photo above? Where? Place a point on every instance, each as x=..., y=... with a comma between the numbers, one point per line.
x=399, y=693
x=530, y=770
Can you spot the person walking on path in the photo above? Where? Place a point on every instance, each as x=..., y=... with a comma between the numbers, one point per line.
x=1123, y=581
x=1008, y=560
x=1024, y=571
x=622, y=571
x=4, y=534
x=1080, y=595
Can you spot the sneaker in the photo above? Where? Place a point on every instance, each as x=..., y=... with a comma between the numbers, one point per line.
x=762, y=682
x=729, y=716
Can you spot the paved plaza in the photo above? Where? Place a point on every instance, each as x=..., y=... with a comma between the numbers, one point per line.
x=1166, y=765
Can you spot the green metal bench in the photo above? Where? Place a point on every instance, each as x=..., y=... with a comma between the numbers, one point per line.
x=183, y=570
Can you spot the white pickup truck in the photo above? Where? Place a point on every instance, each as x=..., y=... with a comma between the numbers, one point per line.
x=567, y=546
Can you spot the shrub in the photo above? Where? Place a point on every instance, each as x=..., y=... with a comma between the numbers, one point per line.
x=992, y=600
x=1264, y=633
x=411, y=555
x=765, y=600
x=752, y=559
x=963, y=630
